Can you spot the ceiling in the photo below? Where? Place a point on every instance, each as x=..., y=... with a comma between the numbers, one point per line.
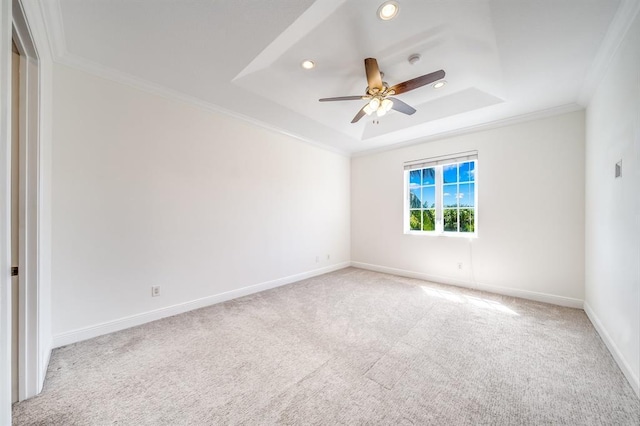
x=504, y=59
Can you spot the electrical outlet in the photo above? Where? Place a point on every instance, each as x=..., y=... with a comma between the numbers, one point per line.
x=459, y=265
x=155, y=290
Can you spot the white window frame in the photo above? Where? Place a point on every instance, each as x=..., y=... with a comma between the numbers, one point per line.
x=438, y=164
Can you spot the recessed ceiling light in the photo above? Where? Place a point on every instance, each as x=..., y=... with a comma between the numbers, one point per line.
x=307, y=65
x=388, y=10
x=439, y=84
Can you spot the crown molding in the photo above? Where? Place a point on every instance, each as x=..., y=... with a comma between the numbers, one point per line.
x=616, y=33
x=54, y=25
x=503, y=122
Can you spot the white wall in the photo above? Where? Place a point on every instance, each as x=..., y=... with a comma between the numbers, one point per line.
x=530, y=213
x=612, y=249
x=151, y=191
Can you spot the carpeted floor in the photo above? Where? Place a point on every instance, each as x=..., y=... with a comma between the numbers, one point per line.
x=350, y=347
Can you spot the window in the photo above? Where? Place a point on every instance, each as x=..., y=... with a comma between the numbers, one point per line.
x=441, y=196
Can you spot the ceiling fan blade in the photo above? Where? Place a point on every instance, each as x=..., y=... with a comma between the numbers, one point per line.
x=414, y=83
x=359, y=115
x=341, y=98
x=402, y=107
x=374, y=79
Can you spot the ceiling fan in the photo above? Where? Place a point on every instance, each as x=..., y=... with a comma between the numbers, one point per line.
x=379, y=94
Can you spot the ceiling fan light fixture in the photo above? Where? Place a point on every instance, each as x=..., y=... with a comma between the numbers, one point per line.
x=381, y=111
x=387, y=104
x=308, y=64
x=374, y=104
x=367, y=109
x=388, y=10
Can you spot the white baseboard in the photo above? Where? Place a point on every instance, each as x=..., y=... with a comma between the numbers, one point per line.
x=43, y=369
x=613, y=348
x=523, y=294
x=85, y=333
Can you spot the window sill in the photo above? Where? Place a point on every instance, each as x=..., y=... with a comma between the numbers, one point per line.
x=470, y=235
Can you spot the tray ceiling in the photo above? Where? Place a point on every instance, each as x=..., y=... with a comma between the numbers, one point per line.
x=503, y=58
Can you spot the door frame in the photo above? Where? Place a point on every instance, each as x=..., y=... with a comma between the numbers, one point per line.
x=5, y=212
x=29, y=371
x=32, y=357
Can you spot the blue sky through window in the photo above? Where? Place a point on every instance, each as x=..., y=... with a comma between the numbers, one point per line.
x=450, y=173
x=449, y=195
x=429, y=176
x=415, y=178
x=454, y=193
x=467, y=194
x=429, y=197
x=467, y=171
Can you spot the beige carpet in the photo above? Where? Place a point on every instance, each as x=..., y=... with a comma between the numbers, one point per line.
x=350, y=347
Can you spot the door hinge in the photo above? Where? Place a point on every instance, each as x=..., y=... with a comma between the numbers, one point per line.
x=14, y=271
